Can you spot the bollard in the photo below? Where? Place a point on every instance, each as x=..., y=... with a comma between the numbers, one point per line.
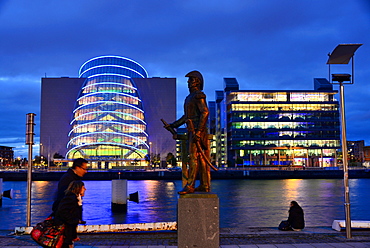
x=119, y=195
x=6, y=193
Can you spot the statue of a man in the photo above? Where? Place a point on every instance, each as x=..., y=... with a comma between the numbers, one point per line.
x=196, y=116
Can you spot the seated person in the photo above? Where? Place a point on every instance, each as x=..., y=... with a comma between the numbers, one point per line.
x=296, y=216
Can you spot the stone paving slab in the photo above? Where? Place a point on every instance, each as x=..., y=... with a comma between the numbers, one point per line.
x=229, y=238
x=315, y=245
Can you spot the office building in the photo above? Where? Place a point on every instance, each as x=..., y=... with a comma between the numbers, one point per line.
x=366, y=162
x=220, y=131
x=356, y=153
x=278, y=127
x=6, y=156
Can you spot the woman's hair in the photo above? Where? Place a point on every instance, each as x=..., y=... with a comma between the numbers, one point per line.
x=294, y=203
x=74, y=187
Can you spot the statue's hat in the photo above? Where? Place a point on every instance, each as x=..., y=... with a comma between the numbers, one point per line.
x=198, y=75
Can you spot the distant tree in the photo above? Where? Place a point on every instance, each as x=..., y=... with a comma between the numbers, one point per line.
x=37, y=160
x=170, y=159
x=156, y=159
x=57, y=155
x=239, y=161
x=17, y=162
x=40, y=160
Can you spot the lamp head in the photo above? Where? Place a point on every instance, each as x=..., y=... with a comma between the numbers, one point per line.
x=341, y=77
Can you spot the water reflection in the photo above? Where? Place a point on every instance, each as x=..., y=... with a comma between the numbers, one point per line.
x=243, y=203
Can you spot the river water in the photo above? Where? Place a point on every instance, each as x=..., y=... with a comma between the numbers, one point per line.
x=243, y=203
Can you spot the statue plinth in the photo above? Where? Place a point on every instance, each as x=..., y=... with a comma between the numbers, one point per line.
x=198, y=222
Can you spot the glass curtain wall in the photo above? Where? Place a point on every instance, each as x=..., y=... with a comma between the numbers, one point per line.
x=283, y=128
x=108, y=120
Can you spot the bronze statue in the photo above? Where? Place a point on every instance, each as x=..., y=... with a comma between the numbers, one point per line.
x=195, y=117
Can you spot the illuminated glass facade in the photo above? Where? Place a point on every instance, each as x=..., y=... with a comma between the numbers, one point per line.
x=108, y=120
x=114, y=65
x=282, y=128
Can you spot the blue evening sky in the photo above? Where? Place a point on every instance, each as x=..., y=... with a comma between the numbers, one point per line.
x=265, y=44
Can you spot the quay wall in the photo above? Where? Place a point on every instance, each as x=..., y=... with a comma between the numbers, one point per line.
x=176, y=175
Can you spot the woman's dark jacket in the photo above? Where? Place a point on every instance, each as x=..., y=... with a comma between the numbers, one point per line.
x=69, y=212
x=66, y=179
x=296, y=217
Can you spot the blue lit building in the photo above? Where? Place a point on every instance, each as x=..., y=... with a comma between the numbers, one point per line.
x=108, y=119
x=276, y=127
x=220, y=131
x=110, y=115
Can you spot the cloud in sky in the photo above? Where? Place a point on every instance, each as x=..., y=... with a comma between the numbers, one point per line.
x=264, y=44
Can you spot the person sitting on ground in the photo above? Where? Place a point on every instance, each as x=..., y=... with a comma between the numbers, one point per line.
x=296, y=216
x=69, y=212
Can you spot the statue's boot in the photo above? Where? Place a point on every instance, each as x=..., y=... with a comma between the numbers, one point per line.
x=202, y=188
x=186, y=190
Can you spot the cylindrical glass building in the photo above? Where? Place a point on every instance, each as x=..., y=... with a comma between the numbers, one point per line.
x=108, y=120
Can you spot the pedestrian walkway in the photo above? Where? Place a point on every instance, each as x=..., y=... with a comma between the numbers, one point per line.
x=254, y=237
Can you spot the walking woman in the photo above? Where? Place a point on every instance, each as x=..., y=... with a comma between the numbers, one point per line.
x=70, y=211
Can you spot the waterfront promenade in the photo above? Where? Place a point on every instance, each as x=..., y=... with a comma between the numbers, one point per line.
x=252, y=237
x=222, y=173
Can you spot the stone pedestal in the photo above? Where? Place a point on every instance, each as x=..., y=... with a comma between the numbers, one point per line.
x=198, y=224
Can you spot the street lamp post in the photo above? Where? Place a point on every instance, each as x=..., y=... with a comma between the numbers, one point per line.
x=150, y=154
x=347, y=204
x=342, y=54
x=30, y=122
x=49, y=154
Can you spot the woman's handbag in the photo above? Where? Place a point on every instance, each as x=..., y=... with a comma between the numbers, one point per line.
x=285, y=226
x=47, y=234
